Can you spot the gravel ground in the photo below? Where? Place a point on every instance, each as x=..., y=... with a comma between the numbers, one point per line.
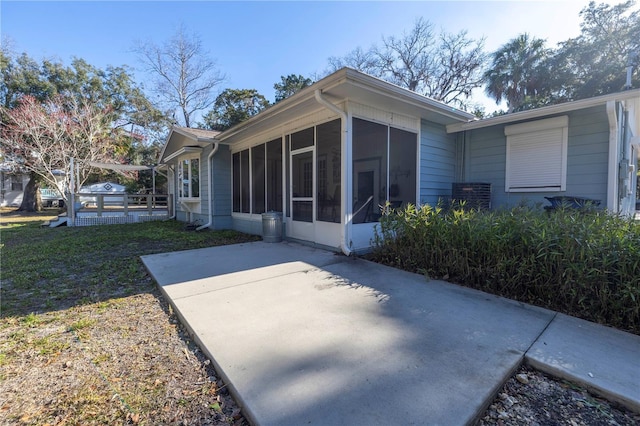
x=534, y=398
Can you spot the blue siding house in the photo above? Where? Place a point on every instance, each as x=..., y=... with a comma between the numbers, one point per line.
x=586, y=149
x=329, y=156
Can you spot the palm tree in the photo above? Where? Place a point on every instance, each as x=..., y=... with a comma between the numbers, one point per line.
x=518, y=71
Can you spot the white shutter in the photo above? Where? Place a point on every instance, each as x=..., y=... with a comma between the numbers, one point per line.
x=536, y=156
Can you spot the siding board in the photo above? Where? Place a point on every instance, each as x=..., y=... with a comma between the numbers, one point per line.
x=587, y=160
x=437, y=162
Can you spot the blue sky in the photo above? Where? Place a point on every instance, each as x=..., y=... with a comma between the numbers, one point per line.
x=255, y=43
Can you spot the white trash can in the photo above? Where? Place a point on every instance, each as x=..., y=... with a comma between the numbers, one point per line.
x=272, y=227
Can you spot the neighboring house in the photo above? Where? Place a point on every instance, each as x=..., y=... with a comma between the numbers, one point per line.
x=330, y=155
x=12, y=187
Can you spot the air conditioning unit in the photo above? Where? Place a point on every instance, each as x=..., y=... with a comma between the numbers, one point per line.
x=476, y=195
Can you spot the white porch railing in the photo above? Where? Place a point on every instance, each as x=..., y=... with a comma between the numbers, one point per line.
x=109, y=208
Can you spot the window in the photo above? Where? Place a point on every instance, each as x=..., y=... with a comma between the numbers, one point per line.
x=537, y=155
x=189, y=175
x=16, y=183
x=384, y=168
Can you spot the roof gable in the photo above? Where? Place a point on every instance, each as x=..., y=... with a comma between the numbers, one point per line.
x=181, y=137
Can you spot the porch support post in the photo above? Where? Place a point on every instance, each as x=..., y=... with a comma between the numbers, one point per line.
x=612, y=187
x=345, y=180
x=100, y=206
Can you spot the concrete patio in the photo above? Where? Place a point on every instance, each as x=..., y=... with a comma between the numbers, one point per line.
x=305, y=336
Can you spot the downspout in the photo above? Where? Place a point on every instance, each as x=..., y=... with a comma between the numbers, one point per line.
x=71, y=208
x=210, y=179
x=346, y=228
x=612, y=186
x=175, y=198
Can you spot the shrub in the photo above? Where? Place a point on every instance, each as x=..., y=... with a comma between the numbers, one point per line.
x=582, y=263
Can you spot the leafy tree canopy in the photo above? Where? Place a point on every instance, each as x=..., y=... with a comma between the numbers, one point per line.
x=596, y=61
x=290, y=85
x=527, y=74
x=113, y=88
x=518, y=71
x=234, y=106
x=31, y=90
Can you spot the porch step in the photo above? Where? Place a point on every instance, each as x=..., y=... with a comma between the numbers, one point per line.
x=60, y=221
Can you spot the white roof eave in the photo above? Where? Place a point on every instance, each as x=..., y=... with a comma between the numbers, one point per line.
x=544, y=111
x=341, y=82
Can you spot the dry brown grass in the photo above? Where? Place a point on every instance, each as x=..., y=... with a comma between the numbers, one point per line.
x=86, y=337
x=9, y=215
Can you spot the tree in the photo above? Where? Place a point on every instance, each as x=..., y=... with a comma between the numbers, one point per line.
x=21, y=75
x=43, y=137
x=185, y=76
x=518, y=71
x=112, y=90
x=290, y=85
x=366, y=61
x=232, y=107
x=596, y=61
x=446, y=67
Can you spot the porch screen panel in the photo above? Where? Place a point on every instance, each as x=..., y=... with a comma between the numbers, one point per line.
x=236, y=182
x=258, y=158
x=244, y=181
x=328, y=166
x=302, y=168
x=287, y=150
x=369, y=169
x=302, y=139
x=274, y=175
x=302, y=186
x=403, y=151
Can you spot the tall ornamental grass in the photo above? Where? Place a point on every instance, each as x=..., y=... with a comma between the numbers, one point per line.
x=581, y=263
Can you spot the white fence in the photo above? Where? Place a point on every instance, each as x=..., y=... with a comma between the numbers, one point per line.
x=110, y=209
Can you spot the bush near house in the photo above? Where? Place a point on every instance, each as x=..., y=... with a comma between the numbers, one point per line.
x=581, y=263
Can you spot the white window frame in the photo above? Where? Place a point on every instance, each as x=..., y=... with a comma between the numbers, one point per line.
x=180, y=182
x=530, y=148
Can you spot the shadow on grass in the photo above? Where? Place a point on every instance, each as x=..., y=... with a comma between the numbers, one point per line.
x=46, y=269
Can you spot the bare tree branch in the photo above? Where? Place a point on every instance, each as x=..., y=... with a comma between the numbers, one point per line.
x=44, y=137
x=185, y=76
x=445, y=67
